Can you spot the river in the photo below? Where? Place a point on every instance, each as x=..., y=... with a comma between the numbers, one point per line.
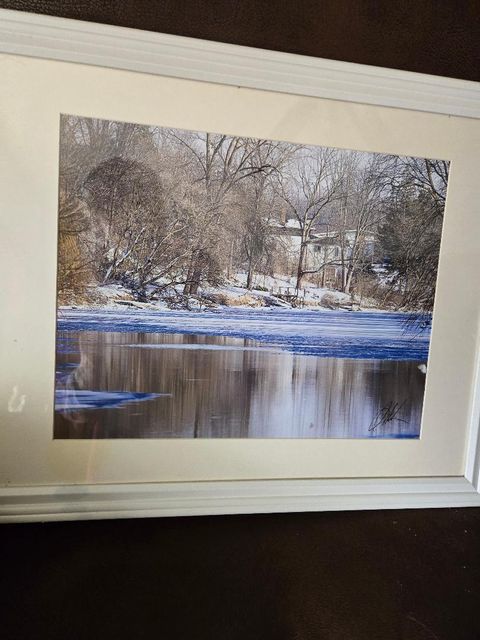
x=246, y=374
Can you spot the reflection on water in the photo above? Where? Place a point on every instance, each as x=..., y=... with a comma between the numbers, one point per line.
x=222, y=387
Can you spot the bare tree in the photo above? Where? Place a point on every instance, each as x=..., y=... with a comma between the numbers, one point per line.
x=411, y=241
x=360, y=212
x=74, y=266
x=310, y=185
x=138, y=224
x=219, y=163
x=429, y=176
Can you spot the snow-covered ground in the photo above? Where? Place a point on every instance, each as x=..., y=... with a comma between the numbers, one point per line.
x=310, y=293
x=324, y=333
x=267, y=291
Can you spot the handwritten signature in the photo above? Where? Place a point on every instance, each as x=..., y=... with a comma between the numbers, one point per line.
x=387, y=414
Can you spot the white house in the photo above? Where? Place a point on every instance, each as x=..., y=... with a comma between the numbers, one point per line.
x=327, y=251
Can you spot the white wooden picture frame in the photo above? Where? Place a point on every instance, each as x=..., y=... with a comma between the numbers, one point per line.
x=52, y=66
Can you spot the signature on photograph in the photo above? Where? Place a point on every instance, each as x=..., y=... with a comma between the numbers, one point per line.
x=387, y=414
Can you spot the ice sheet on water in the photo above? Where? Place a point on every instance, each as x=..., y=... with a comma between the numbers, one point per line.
x=323, y=333
x=205, y=347
x=75, y=399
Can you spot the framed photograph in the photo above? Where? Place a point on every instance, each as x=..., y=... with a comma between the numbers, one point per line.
x=234, y=280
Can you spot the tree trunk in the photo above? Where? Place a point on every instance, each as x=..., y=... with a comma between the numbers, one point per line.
x=230, y=261
x=348, y=280
x=188, y=283
x=194, y=282
x=194, y=275
x=301, y=261
x=250, y=275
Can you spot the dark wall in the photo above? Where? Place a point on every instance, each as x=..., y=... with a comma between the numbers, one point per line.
x=392, y=575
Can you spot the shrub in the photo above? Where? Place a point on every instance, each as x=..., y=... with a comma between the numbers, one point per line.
x=329, y=301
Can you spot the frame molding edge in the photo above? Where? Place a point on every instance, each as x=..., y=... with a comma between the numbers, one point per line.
x=44, y=36
x=106, y=501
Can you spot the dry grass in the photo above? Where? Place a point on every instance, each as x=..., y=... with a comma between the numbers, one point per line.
x=246, y=300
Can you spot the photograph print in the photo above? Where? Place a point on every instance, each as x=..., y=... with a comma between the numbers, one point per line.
x=214, y=286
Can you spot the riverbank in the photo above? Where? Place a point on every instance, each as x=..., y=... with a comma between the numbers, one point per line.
x=268, y=291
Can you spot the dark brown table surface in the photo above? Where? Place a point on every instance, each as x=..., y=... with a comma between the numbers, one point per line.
x=373, y=575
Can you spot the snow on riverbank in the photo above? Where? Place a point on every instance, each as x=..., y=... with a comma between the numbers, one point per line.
x=340, y=334
x=267, y=291
x=266, y=286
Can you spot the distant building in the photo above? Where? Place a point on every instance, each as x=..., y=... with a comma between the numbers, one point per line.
x=327, y=251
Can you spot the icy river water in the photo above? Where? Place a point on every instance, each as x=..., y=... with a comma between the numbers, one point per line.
x=238, y=373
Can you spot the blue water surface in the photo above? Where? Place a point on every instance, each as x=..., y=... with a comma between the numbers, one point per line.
x=322, y=333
